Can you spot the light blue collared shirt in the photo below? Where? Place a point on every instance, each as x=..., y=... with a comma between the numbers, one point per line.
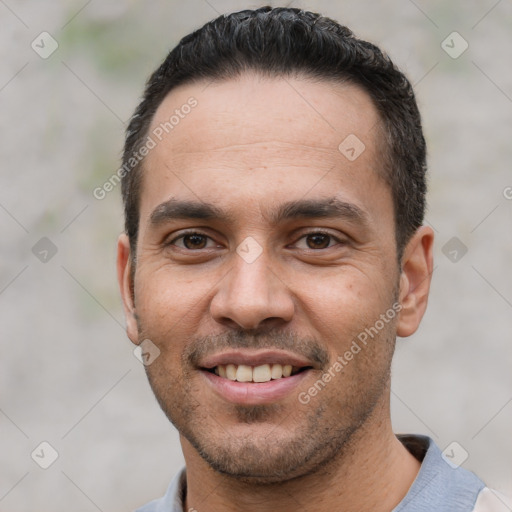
x=438, y=487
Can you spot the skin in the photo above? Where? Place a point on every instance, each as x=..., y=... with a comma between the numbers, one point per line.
x=251, y=145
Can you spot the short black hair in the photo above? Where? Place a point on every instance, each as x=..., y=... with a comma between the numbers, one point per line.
x=280, y=42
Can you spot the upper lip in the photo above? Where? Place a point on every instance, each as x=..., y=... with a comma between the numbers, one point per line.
x=255, y=358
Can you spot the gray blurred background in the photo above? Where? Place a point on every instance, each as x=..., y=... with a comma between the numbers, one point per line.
x=68, y=375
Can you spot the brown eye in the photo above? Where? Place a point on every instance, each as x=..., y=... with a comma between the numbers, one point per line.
x=318, y=241
x=194, y=241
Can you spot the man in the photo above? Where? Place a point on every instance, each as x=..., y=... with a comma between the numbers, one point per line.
x=274, y=191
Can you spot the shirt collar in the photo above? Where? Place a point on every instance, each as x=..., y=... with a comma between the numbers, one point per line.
x=438, y=486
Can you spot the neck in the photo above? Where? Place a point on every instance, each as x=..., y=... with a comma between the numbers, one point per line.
x=373, y=474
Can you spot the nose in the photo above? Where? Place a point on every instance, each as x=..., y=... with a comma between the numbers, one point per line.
x=251, y=295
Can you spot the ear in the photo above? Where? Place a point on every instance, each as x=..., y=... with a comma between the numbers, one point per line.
x=417, y=267
x=124, y=277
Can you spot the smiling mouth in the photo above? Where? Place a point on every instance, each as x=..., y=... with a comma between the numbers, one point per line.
x=256, y=374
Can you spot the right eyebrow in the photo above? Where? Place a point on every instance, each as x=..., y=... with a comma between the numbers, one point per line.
x=179, y=209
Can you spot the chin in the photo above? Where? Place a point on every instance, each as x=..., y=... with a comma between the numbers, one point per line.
x=269, y=453
x=254, y=465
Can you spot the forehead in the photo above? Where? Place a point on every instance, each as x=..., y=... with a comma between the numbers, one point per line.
x=253, y=108
x=268, y=138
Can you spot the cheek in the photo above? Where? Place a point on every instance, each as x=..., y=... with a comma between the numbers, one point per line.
x=164, y=298
x=342, y=305
x=165, y=311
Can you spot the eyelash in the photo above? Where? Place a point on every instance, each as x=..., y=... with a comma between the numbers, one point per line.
x=316, y=232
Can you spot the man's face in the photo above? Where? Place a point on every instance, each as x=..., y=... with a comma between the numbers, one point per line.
x=263, y=276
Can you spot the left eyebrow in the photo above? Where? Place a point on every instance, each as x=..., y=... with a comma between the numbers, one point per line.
x=319, y=208
x=299, y=209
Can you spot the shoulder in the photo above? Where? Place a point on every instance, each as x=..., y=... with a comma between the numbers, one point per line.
x=489, y=500
x=172, y=501
x=440, y=485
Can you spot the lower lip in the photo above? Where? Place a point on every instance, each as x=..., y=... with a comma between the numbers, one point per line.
x=253, y=393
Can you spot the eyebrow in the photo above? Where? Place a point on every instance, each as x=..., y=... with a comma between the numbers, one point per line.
x=175, y=209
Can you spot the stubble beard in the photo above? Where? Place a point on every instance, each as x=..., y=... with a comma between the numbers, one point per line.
x=315, y=435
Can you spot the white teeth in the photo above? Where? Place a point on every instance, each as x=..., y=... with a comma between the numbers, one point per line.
x=277, y=371
x=230, y=372
x=244, y=373
x=261, y=373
